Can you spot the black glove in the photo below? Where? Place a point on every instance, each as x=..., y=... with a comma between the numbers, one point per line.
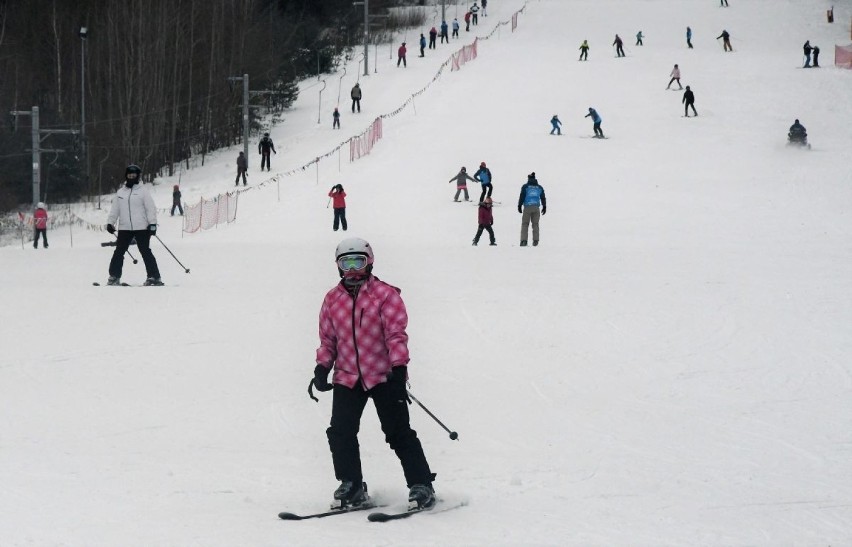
x=110, y=228
x=396, y=384
x=544, y=210
x=519, y=209
x=153, y=229
x=321, y=378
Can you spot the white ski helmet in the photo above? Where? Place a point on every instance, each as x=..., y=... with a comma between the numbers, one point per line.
x=354, y=246
x=40, y=205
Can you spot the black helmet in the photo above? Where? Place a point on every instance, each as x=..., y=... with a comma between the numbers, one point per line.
x=133, y=168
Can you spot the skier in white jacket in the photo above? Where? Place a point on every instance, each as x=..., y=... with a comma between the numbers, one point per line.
x=136, y=214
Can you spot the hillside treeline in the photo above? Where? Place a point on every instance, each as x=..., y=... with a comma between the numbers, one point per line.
x=156, y=80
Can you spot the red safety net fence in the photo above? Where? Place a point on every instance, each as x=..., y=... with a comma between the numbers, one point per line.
x=843, y=56
x=363, y=143
x=209, y=213
x=465, y=54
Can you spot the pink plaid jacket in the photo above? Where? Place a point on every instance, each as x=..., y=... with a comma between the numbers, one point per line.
x=363, y=338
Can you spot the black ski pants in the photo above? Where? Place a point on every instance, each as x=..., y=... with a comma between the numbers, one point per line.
x=486, y=228
x=339, y=218
x=143, y=243
x=686, y=108
x=356, y=103
x=264, y=160
x=43, y=233
x=486, y=190
x=346, y=410
x=240, y=173
x=177, y=205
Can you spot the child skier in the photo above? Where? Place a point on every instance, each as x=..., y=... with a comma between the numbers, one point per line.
x=461, y=183
x=486, y=221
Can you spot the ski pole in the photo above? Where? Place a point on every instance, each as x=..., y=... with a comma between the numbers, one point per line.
x=128, y=252
x=171, y=253
x=453, y=435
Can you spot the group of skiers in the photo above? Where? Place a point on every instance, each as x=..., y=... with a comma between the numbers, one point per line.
x=808, y=50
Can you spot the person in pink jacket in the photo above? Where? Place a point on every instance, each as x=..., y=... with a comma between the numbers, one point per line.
x=362, y=331
x=400, y=53
x=40, y=223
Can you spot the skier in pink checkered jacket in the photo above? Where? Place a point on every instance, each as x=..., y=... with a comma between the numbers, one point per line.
x=362, y=334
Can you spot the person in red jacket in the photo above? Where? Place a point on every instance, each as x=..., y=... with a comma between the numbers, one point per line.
x=486, y=220
x=338, y=197
x=362, y=331
x=40, y=223
x=401, y=55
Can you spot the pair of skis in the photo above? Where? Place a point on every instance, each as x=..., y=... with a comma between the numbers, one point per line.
x=372, y=517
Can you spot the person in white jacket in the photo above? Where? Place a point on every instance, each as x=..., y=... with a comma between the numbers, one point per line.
x=133, y=208
x=675, y=78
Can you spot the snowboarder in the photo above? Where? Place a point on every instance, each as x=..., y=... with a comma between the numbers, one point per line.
x=355, y=94
x=433, y=35
x=596, y=121
x=474, y=12
x=688, y=101
x=556, y=124
x=176, y=195
x=338, y=197
x=461, y=183
x=422, y=45
x=483, y=176
x=455, y=28
x=336, y=117
x=362, y=330
x=242, y=167
x=532, y=203
x=689, y=37
x=485, y=219
x=639, y=37
x=797, y=134
x=675, y=74
x=807, y=49
x=816, y=57
x=40, y=224
x=619, y=46
x=726, y=40
x=263, y=148
x=400, y=53
x=584, y=51
x=445, y=32
x=134, y=211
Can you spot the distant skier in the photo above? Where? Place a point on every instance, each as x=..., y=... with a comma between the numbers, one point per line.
x=797, y=134
x=816, y=57
x=335, y=116
x=467, y=21
x=263, y=148
x=445, y=31
x=355, y=95
x=584, y=51
x=639, y=37
x=484, y=8
x=619, y=46
x=433, y=36
x=485, y=220
x=688, y=101
x=675, y=78
x=554, y=121
x=807, y=50
x=723, y=3
x=176, y=195
x=400, y=53
x=242, y=167
x=596, y=120
x=483, y=176
x=40, y=224
x=474, y=12
x=689, y=37
x=422, y=45
x=461, y=183
x=532, y=203
x=726, y=40
x=455, y=28
x=338, y=197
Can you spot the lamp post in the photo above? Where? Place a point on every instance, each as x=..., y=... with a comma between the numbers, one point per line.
x=84, y=33
x=366, y=4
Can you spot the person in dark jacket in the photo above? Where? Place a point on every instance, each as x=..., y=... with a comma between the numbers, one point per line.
x=596, y=122
x=433, y=36
x=619, y=46
x=639, y=37
x=363, y=338
x=689, y=37
x=726, y=40
x=816, y=57
x=467, y=21
x=338, y=197
x=556, y=125
x=807, y=50
x=584, y=51
x=797, y=134
x=486, y=221
x=422, y=45
x=242, y=168
x=176, y=204
x=355, y=94
x=688, y=101
x=263, y=148
x=445, y=32
x=474, y=12
x=532, y=203
x=483, y=176
x=461, y=183
x=336, y=117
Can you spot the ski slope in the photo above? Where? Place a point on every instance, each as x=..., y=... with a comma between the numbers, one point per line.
x=670, y=366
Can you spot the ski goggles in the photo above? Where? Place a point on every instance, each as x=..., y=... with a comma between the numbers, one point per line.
x=352, y=262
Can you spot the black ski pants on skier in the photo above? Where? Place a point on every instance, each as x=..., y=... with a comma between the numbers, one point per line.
x=486, y=190
x=143, y=243
x=40, y=232
x=346, y=410
x=339, y=218
x=264, y=160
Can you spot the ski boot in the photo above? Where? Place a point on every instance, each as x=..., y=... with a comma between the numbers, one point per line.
x=154, y=282
x=523, y=243
x=113, y=280
x=350, y=494
x=475, y=243
x=535, y=243
x=421, y=496
x=493, y=243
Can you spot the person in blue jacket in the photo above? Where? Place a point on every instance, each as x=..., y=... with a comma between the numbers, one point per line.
x=689, y=37
x=532, y=203
x=554, y=121
x=483, y=176
x=422, y=45
x=596, y=119
x=445, y=32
